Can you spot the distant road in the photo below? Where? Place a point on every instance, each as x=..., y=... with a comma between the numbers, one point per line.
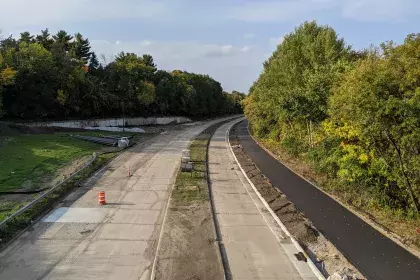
x=376, y=256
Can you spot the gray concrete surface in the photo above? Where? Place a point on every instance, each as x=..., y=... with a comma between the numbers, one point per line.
x=81, y=240
x=256, y=247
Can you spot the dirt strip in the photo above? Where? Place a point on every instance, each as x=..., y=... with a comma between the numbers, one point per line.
x=189, y=249
x=328, y=259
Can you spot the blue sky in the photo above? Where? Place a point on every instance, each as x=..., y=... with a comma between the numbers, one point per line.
x=227, y=39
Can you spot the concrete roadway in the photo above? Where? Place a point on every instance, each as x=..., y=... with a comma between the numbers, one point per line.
x=376, y=256
x=81, y=240
x=255, y=245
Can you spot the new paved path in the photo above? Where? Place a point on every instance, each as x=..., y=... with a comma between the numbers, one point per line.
x=376, y=256
x=81, y=240
x=255, y=245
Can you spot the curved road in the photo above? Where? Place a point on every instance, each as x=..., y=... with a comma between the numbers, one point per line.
x=376, y=256
x=81, y=240
x=255, y=245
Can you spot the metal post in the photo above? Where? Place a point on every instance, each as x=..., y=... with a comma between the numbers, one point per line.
x=123, y=115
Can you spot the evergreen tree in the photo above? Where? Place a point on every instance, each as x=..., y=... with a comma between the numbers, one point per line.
x=45, y=39
x=64, y=39
x=93, y=62
x=8, y=43
x=81, y=48
x=26, y=37
x=148, y=60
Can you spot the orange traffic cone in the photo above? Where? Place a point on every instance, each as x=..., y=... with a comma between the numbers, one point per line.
x=101, y=198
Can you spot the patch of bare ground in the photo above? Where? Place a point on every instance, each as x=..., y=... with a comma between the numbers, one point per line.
x=189, y=248
x=324, y=254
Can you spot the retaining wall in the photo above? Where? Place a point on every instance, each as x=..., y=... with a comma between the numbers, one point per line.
x=111, y=122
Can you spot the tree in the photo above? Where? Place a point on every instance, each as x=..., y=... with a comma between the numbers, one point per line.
x=376, y=110
x=148, y=60
x=291, y=95
x=32, y=93
x=26, y=37
x=8, y=43
x=45, y=39
x=93, y=62
x=81, y=48
x=63, y=39
x=46, y=77
x=146, y=93
x=7, y=75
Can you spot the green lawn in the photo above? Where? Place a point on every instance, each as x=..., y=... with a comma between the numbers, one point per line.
x=38, y=157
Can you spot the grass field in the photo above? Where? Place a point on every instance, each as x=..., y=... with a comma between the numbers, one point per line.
x=36, y=158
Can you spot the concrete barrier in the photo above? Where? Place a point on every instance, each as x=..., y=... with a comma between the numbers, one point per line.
x=110, y=122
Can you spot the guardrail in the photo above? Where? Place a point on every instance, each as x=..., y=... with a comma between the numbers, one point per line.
x=48, y=192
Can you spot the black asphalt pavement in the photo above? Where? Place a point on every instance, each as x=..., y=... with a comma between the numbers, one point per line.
x=376, y=256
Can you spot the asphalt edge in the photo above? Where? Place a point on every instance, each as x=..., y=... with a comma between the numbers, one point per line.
x=311, y=264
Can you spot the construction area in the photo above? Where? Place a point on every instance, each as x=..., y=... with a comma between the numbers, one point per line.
x=122, y=221
x=178, y=202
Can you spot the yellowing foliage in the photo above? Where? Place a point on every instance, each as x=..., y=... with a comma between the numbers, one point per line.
x=354, y=115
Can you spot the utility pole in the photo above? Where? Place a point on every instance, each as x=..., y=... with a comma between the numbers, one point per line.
x=123, y=115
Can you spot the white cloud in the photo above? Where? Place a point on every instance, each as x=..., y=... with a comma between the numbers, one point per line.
x=249, y=35
x=246, y=49
x=145, y=43
x=224, y=50
x=171, y=50
x=276, y=40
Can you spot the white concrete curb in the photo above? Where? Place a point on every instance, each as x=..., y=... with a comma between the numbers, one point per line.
x=313, y=267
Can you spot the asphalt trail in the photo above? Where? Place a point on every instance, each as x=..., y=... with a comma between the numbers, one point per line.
x=376, y=256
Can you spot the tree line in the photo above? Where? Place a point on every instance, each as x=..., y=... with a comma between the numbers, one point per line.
x=58, y=76
x=353, y=115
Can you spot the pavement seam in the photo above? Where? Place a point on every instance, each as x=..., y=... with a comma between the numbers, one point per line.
x=313, y=267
